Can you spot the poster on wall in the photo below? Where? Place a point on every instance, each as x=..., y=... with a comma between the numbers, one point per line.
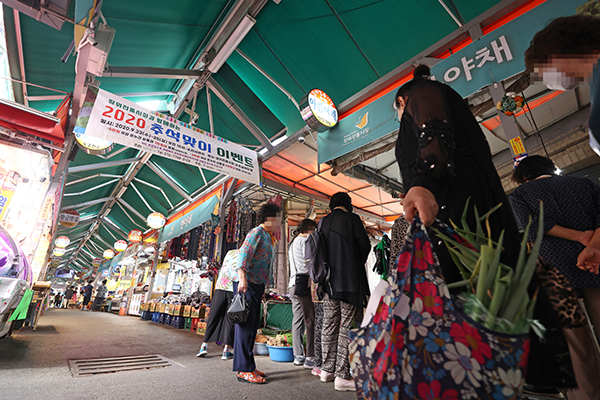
x=110, y=117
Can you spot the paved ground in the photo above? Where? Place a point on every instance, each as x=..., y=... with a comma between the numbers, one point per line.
x=34, y=365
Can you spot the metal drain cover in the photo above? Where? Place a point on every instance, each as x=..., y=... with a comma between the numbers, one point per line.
x=116, y=364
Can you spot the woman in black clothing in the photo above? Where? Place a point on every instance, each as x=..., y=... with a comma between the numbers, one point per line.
x=445, y=159
x=571, y=216
x=348, y=247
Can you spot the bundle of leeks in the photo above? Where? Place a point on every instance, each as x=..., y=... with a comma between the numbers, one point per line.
x=497, y=297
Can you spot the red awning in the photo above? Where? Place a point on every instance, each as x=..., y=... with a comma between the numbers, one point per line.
x=27, y=120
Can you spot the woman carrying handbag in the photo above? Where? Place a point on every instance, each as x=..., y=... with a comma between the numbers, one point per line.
x=302, y=305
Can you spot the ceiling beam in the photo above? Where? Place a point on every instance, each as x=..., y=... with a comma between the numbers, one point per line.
x=129, y=94
x=150, y=73
x=133, y=210
x=237, y=111
x=167, y=179
x=494, y=13
x=92, y=188
x=89, y=203
x=107, y=164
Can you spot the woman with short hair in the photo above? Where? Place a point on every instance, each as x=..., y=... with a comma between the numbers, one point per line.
x=254, y=273
x=300, y=294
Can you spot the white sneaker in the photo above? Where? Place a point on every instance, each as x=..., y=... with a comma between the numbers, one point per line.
x=299, y=360
x=345, y=385
x=327, y=376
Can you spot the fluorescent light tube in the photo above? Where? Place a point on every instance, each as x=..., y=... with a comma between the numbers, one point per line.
x=232, y=43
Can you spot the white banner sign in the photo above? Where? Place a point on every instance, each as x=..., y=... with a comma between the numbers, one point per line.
x=110, y=117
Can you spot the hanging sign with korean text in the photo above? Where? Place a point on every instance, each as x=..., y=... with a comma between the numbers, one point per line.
x=492, y=58
x=114, y=118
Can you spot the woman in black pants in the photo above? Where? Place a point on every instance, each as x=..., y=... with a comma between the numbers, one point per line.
x=218, y=328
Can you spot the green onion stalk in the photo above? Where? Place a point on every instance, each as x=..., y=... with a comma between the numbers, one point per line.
x=496, y=295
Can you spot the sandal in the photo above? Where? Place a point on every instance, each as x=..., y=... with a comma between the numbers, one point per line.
x=251, y=377
x=260, y=373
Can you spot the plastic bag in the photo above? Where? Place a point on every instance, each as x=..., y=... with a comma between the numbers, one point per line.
x=238, y=309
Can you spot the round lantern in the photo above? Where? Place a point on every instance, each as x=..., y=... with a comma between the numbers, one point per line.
x=156, y=220
x=62, y=241
x=96, y=262
x=68, y=218
x=59, y=251
x=120, y=245
x=108, y=254
x=135, y=236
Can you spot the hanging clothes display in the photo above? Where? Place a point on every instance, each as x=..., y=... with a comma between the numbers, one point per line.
x=244, y=208
x=194, y=243
x=248, y=221
x=399, y=230
x=203, y=248
x=175, y=247
x=230, y=223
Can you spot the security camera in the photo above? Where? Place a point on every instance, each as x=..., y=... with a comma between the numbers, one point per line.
x=92, y=41
x=301, y=139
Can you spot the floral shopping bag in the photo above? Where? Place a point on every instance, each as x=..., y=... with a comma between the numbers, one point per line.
x=423, y=346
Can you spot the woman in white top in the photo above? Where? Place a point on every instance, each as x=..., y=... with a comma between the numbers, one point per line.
x=302, y=305
x=218, y=327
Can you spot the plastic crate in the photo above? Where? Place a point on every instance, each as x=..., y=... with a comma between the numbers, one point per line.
x=178, y=322
x=155, y=316
x=161, y=318
x=188, y=324
x=167, y=320
x=195, y=324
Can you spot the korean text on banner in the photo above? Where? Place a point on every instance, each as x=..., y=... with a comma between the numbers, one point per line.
x=492, y=58
x=110, y=117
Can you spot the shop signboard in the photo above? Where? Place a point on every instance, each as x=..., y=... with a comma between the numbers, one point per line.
x=492, y=58
x=110, y=117
x=192, y=219
x=318, y=110
x=68, y=218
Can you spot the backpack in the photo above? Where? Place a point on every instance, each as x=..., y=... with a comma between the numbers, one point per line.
x=315, y=255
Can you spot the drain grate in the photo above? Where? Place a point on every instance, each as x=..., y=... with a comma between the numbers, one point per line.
x=116, y=364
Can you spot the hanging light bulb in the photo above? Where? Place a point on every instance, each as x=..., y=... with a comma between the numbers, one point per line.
x=62, y=241
x=120, y=245
x=156, y=220
x=108, y=254
x=135, y=236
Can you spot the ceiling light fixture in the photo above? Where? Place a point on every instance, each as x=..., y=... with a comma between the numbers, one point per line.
x=230, y=45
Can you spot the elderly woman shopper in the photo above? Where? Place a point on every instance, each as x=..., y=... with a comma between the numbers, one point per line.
x=300, y=294
x=218, y=327
x=571, y=217
x=445, y=159
x=254, y=273
x=348, y=247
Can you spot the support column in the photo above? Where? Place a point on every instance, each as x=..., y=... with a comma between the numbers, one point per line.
x=153, y=272
x=509, y=124
x=281, y=277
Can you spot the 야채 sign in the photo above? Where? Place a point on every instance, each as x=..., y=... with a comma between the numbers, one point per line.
x=110, y=117
x=492, y=58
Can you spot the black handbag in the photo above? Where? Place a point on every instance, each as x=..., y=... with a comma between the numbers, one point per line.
x=301, y=286
x=237, y=312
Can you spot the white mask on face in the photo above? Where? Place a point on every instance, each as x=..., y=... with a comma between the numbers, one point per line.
x=559, y=81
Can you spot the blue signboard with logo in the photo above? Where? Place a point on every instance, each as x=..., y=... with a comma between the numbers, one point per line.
x=492, y=58
x=183, y=224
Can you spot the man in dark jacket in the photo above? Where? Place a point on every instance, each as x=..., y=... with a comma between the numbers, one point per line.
x=87, y=294
x=348, y=247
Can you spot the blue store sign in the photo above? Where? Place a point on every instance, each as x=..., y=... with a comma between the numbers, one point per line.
x=189, y=221
x=493, y=57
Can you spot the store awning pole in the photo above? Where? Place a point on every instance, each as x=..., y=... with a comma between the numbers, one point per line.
x=152, y=272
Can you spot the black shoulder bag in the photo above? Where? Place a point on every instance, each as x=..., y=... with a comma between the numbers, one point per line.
x=301, y=284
